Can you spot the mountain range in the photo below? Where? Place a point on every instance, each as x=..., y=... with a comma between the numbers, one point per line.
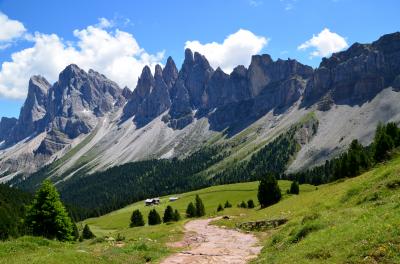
x=85, y=121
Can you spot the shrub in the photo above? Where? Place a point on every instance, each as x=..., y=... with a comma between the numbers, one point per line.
x=136, y=219
x=243, y=205
x=220, y=208
x=227, y=204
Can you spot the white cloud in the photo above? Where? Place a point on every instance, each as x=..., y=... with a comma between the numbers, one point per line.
x=9, y=29
x=325, y=43
x=105, y=23
x=115, y=53
x=255, y=3
x=236, y=49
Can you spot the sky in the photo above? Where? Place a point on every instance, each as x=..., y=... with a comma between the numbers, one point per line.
x=118, y=38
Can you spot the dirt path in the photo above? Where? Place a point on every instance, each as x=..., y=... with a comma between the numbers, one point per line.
x=211, y=244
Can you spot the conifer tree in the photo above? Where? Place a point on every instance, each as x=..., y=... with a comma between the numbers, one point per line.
x=294, y=188
x=154, y=217
x=200, y=210
x=136, y=219
x=87, y=233
x=177, y=216
x=269, y=192
x=227, y=204
x=220, y=208
x=191, y=210
x=250, y=204
x=168, y=214
x=47, y=215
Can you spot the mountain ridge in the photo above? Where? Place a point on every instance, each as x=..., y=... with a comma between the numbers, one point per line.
x=182, y=109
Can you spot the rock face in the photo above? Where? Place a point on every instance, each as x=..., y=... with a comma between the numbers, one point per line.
x=30, y=120
x=357, y=74
x=6, y=126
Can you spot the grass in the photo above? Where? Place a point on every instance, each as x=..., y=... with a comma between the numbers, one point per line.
x=350, y=221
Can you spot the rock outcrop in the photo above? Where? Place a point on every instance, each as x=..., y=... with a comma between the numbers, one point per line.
x=6, y=126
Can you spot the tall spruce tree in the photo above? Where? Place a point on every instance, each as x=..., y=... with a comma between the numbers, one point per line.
x=177, y=216
x=269, y=192
x=47, y=216
x=200, y=210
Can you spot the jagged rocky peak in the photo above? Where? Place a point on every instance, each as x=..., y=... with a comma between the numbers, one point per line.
x=127, y=93
x=264, y=71
x=357, y=74
x=170, y=73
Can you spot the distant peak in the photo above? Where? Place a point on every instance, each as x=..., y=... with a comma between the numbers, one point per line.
x=189, y=56
x=158, y=71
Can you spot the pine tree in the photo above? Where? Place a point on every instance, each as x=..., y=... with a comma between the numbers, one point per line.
x=243, y=205
x=220, y=208
x=154, y=218
x=382, y=145
x=75, y=232
x=294, y=188
x=250, y=204
x=191, y=210
x=47, y=216
x=227, y=204
x=177, y=216
x=168, y=214
x=136, y=219
x=87, y=233
x=200, y=210
x=269, y=192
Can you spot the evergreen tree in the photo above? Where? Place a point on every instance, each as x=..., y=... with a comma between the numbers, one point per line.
x=87, y=233
x=220, y=208
x=250, y=204
x=154, y=217
x=200, y=210
x=136, y=219
x=227, y=204
x=191, y=210
x=168, y=214
x=382, y=145
x=393, y=132
x=294, y=188
x=47, y=216
x=269, y=192
x=243, y=205
x=75, y=232
x=176, y=216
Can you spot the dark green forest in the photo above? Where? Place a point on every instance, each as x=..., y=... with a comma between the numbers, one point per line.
x=12, y=211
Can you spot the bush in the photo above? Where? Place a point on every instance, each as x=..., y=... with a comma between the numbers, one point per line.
x=168, y=214
x=154, y=218
x=250, y=204
x=191, y=210
x=220, y=208
x=294, y=188
x=227, y=204
x=87, y=233
x=47, y=216
x=243, y=205
x=269, y=192
x=136, y=219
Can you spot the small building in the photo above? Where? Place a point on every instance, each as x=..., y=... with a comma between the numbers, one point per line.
x=152, y=201
x=173, y=199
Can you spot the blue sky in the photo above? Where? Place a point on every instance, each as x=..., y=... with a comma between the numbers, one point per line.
x=158, y=29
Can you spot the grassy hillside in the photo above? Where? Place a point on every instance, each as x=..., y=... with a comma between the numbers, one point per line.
x=350, y=221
